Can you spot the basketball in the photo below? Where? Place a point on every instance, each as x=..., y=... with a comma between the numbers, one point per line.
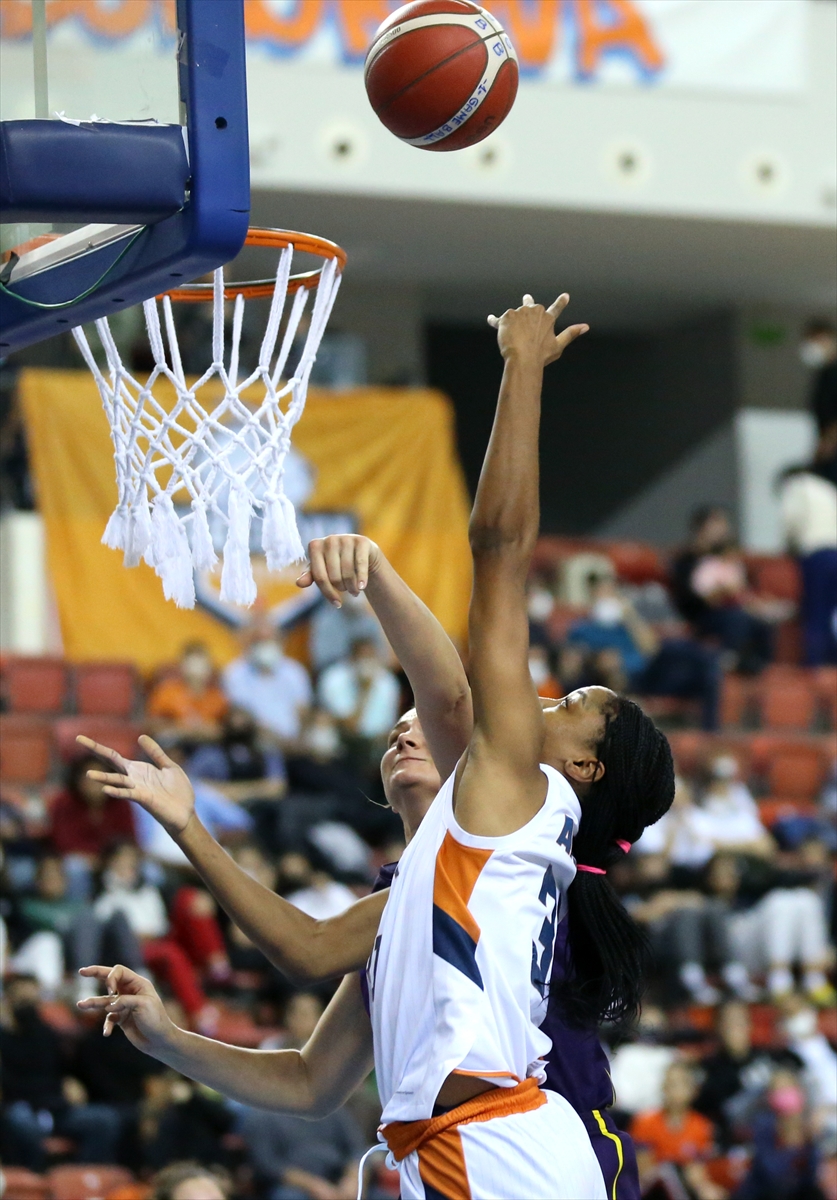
x=441, y=74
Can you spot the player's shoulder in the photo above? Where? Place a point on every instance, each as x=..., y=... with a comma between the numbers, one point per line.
x=560, y=795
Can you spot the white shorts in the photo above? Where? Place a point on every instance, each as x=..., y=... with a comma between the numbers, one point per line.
x=544, y=1154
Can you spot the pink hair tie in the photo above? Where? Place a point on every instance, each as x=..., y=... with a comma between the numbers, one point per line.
x=592, y=870
x=623, y=846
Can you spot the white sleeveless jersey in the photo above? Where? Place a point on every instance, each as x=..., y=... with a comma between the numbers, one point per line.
x=458, y=978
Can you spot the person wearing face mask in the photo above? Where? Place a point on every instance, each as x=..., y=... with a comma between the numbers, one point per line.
x=818, y=352
x=784, y=1164
x=728, y=816
x=273, y=688
x=540, y=669
x=189, y=702
x=625, y=653
x=804, y=1039
x=363, y=696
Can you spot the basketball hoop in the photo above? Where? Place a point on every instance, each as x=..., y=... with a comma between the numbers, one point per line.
x=226, y=454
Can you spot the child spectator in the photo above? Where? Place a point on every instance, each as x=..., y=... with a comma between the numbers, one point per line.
x=189, y=703
x=676, y=1133
x=84, y=823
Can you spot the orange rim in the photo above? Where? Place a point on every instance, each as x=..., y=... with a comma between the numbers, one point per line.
x=254, y=289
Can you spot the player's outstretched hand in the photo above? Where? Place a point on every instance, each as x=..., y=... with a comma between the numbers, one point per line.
x=160, y=786
x=131, y=1003
x=341, y=562
x=528, y=333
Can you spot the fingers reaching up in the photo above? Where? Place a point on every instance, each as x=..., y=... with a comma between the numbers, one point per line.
x=337, y=564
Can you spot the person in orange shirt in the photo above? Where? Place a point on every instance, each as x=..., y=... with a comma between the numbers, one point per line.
x=677, y=1135
x=190, y=702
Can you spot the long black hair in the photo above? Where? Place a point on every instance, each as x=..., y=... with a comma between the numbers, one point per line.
x=608, y=952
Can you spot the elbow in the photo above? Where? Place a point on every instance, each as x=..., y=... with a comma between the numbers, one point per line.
x=497, y=539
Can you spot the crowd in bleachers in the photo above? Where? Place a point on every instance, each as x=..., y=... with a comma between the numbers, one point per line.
x=729, y=1085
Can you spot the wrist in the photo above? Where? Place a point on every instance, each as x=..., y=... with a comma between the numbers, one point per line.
x=523, y=361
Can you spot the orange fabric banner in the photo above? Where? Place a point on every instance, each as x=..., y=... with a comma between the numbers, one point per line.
x=386, y=458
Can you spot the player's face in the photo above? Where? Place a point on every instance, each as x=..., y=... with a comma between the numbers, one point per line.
x=575, y=726
x=407, y=765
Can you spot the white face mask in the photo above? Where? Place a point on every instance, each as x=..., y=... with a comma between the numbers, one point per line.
x=197, y=670
x=323, y=740
x=265, y=656
x=539, y=671
x=607, y=611
x=541, y=604
x=725, y=767
x=801, y=1025
x=813, y=355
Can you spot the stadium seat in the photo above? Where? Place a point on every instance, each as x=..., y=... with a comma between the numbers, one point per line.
x=780, y=808
x=775, y=575
x=736, y=700
x=688, y=747
x=93, y=1182
x=636, y=562
x=25, y=749
x=20, y=1184
x=35, y=685
x=796, y=773
x=787, y=702
x=119, y=735
x=105, y=689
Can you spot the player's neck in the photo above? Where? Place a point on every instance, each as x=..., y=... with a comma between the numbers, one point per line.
x=413, y=804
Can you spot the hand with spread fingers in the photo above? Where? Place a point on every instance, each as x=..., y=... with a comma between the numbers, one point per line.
x=528, y=333
x=159, y=786
x=341, y=562
x=133, y=1004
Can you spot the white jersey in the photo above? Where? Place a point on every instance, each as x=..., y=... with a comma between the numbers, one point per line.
x=458, y=978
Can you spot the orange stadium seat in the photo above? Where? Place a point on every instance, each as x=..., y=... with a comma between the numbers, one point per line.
x=688, y=747
x=106, y=689
x=35, y=685
x=775, y=575
x=92, y=1182
x=25, y=749
x=736, y=699
x=119, y=735
x=778, y=808
x=20, y=1184
x=796, y=773
x=636, y=562
x=787, y=702
x=825, y=684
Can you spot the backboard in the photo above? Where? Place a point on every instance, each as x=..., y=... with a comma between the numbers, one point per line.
x=115, y=188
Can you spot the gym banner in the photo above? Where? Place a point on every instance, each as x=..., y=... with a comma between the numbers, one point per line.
x=381, y=461
x=730, y=45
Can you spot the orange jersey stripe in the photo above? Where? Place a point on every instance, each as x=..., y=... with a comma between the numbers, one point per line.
x=457, y=871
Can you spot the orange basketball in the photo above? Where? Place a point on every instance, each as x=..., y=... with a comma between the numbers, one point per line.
x=441, y=74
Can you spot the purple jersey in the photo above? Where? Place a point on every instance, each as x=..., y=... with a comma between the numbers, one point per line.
x=576, y=1068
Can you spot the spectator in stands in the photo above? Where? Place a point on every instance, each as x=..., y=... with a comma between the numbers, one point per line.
x=323, y=897
x=638, y=1067
x=85, y=937
x=728, y=816
x=709, y=585
x=784, y=1164
x=273, y=688
x=818, y=351
x=363, y=696
x=540, y=668
x=819, y=1062
x=176, y=949
x=676, y=1133
x=179, y=1119
x=39, y=1096
x=540, y=604
x=333, y=631
x=785, y=927
x=191, y=1181
x=300, y=1159
x=737, y=1073
x=808, y=497
x=84, y=823
x=188, y=704
x=627, y=654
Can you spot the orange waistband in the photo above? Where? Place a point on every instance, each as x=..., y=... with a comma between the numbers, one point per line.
x=403, y=1137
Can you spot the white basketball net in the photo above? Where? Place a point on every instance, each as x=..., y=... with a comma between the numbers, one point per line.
x=229, y=457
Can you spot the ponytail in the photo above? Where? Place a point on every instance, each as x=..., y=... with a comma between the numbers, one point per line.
x=609, y=954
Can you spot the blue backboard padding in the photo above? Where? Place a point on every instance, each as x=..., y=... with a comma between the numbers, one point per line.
x=210, y=228
x=94, y=172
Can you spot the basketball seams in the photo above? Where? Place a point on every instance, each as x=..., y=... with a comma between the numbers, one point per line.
x=437, y=66
x=428, y=21
x=469, y=108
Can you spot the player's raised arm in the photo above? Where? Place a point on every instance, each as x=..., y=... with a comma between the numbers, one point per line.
x=303, y=948
x=351, y=563
x=501, y=786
